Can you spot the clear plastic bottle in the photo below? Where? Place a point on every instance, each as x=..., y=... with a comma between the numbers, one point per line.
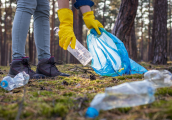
x=124, y=95
x=19, y=80
x=131, y=93
x=80, y=52
x=159, y=78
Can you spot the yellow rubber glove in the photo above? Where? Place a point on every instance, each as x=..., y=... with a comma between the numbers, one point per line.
x=91, y=22
x=66, y=33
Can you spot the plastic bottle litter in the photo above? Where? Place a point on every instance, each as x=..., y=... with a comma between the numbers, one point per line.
x=80, y=52
x=159, y=78
x=19, y=80
x=124, y=95
x=131, y=93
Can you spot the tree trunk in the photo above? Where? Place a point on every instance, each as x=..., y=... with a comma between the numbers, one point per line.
x=80, y=26
x=4, y=59
x=141, y=46
x=149, y=34
x=125, y=21
x=1, y=35
x=75, y=27
x=104, y=8
x=170, y=45
x=11, y=15
x=133, y=45
x=160, y=32
x=170, y=40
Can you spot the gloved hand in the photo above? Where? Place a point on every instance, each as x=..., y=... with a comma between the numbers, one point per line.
x=66, y=33
x=91, y=22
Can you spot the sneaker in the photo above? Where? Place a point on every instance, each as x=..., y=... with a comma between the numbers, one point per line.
x=20, y=65
x=48, y=68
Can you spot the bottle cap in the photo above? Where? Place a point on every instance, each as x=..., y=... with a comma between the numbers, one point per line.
x=91, y=112
x=4, y=84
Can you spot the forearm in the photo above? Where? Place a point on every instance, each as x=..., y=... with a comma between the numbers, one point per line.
x=63, y=4
x=85, y=9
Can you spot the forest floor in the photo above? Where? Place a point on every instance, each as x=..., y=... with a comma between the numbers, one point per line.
x=67, y=98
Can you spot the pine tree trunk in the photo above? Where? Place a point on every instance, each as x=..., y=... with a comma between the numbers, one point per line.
x=52, y=31
x=160, y=32
x=133, y=44
x=11, y=15
x=170, y=40
x=4, y=59
x=75, y=27
x=170, y=45
x=141, y=46
x=125, y=21
x=104, y=8
x=1, y=35
x=149, y=34
x=80, y=26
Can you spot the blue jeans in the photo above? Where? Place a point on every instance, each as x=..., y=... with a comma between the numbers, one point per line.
x=40, y=11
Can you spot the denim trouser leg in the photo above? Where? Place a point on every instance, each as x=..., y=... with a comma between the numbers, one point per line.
x=21, y=24
x=26, y=8
x=42, y=29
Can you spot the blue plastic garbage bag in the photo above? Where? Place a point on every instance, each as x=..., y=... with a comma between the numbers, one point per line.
x=110, y=57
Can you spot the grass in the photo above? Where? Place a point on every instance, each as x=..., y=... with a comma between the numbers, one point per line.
x=67, y=98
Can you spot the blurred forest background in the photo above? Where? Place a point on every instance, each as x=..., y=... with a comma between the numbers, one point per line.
x=143, y=25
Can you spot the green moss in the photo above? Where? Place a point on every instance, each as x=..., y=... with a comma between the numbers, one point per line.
x=45, y=110
x=93, y=82
x=77, y=79
x=90, y=88
x=159, y=103
x=138, y=76
x=26, y=114
x=9, y=112
x=34, y=94
x=66, y=79
x=60, y=109
x=164, y=109
x=62, y=101
x=68, y=94
x=124, y=110
x=60, y=87
x=61, y=77
x=129, y=76
x=2, y=90
x=164, y=91
x=7, y=99
x=46, y=93
x=98, y=81
x=120, y=78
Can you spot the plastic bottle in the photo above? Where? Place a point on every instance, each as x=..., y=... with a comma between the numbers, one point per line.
x=80, y=52
x=19, y=80
x=124, y=95
x=130, y=94
x=159, y=78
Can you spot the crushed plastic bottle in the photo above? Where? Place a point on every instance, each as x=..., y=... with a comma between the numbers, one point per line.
x=19, y=80
x=159, y=78
x=80, y=52
x=124, y=95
